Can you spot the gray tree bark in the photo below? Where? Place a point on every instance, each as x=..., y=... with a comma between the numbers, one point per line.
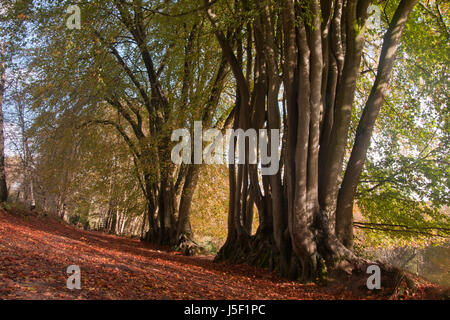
x=319, y=54
x=3, y=186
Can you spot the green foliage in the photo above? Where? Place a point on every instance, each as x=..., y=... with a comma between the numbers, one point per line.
x=74, y=219
x=211, y=247
x=406, y=176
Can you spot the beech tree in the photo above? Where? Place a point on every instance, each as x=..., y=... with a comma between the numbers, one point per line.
x=11, y=31
x=142, y=75
x=3, y=188
x=312, y=50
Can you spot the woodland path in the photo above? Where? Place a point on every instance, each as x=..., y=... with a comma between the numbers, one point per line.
x=36, y=251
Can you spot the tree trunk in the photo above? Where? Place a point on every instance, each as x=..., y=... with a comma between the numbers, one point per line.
x=184, y=225
x=3, y=187
x=344, y=213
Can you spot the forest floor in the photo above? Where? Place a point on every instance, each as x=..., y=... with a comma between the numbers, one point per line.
x=35, y=252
